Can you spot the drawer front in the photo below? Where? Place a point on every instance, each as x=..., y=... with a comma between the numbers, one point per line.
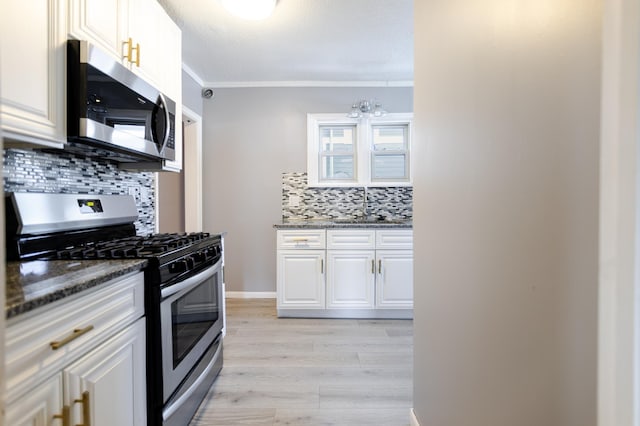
x=301, y=239
x=350, y=239
x=49, y=338
x=394, y=239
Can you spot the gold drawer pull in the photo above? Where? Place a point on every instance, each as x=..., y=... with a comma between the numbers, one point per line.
x=300, y=240
x=76, y=333
x=65, y=416
x=86, y=413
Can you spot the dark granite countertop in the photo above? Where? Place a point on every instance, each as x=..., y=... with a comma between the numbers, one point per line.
x=339, y=224
x=37, y=283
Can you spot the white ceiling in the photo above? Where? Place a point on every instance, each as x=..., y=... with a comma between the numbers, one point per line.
x=304, y=42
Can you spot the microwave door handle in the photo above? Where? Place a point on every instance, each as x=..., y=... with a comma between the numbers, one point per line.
x=167, y=130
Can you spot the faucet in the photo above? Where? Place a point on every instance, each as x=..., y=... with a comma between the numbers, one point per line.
x=366, y=212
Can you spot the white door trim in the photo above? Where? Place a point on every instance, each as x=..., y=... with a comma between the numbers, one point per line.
x=619, y=308
x=192, y=170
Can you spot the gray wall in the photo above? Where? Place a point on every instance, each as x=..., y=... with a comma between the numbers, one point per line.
x=506, y=212
x=170, y=199
x=191, y=93
x=250, y=137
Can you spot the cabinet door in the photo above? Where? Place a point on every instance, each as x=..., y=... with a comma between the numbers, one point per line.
x=146, y=19
x=394, y=285
x=350, y=279
x=300, y=279
x=32, y=42
x=101, y=22
x=109, y=383
x=39, y=406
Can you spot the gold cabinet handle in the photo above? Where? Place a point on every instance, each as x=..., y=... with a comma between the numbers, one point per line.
x=129, y=54
x=65, y=416
x=322, y=266
x=373, y=266
x=300, y=240
x=86, y=413
x=137, y=49
x=379, y=266
x=74, y=335
x=130, y=50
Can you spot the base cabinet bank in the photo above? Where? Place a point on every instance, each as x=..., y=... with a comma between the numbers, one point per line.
x=80, y=362
x=345, y=273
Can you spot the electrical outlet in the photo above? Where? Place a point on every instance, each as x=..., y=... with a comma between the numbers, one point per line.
x=294, y=200
x=134, y=191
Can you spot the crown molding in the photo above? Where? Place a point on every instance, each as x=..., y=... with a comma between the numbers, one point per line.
x=311, y=83
x=191, y=73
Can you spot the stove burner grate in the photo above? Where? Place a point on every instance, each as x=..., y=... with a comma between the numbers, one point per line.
x=131, y=247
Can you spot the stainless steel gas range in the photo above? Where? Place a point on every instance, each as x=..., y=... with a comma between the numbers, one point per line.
x=184, y=298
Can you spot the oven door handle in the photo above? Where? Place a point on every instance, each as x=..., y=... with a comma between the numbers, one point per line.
x=191, y=281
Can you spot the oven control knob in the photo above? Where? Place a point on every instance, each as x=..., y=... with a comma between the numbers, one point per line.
x=191, y=262
x=178, y=266
x=200, y=256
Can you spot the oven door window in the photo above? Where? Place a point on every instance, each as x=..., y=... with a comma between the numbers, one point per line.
x=192, y=315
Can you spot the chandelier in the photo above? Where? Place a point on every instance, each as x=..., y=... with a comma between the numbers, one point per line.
x=366, y=108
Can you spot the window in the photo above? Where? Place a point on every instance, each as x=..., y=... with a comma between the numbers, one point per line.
x=351, y=152
x=390, y=152
x=337, y=152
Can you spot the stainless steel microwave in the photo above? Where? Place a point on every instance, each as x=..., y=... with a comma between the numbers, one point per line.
x=112, y=113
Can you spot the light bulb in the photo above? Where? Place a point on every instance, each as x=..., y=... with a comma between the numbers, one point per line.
x=250, y=9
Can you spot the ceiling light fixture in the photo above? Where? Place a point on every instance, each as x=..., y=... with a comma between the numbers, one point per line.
x=250, y=9
x=365, y=108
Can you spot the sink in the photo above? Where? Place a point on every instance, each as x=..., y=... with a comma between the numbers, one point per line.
x=371, y=220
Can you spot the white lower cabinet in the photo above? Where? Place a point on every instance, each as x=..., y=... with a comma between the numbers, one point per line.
x=368, y=274
x=80, y=362
x=108, y=386
x=350, y=279
x=40, y=407
x=394, y=280
x=300, y=279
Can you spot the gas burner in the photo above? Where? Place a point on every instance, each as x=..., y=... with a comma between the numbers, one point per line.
x=132, y=247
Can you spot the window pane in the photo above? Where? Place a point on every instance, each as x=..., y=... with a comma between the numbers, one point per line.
x=337, y=138
x=389, y=138
x=337, y=167
x=389, y=167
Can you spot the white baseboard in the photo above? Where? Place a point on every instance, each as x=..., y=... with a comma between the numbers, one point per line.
x=250, y=294
x=413, y=419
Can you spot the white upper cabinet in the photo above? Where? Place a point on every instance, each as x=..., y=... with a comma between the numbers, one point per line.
x=138, y=33
x=32, y=87
x=104, y=22
x=373, y=151
x=157, y=42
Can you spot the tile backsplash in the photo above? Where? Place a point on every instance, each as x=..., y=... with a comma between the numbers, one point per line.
x=393, y=203
x=35, y=171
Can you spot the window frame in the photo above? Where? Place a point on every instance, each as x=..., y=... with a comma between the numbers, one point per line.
x=322, y=154
x=364, y=155
x=393, y=121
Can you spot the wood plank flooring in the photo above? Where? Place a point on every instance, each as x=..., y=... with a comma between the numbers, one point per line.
x=310, y=372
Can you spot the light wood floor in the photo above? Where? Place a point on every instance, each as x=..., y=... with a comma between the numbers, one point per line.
x=310, y=372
